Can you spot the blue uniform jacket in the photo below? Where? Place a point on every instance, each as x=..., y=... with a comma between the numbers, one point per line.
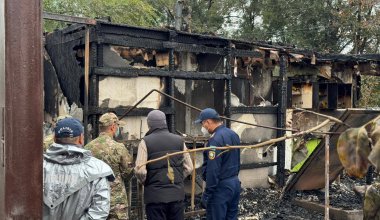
x=219, y=165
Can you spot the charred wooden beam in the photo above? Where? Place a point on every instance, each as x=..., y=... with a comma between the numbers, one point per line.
x=335, y=213
x=193, y=48
x=257, y=165
x=245, y=53
x=121, y=110
x=161, y=34
x=134, y=72
x=254, y=110
x=135, y=32
x=127, y=41
x=68, y=18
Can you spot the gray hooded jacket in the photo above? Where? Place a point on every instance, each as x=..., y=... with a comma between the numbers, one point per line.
x=75, y=184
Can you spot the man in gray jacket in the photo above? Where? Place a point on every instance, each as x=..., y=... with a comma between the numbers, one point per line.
x=75, y=184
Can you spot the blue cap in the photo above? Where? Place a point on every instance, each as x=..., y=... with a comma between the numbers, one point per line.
x=207, y=113
x=68, y=127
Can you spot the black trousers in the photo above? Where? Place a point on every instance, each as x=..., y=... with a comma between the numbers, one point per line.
x=165, y=211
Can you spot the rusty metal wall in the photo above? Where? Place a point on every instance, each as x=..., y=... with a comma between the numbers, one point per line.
x=2, y=101
x=21, y=173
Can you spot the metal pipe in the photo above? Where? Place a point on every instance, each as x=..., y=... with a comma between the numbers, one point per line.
x=198, y=109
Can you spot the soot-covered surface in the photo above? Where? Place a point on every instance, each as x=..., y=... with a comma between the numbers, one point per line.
x=266, y=203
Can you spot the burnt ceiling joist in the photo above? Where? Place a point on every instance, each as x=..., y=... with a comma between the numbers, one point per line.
x=254, y=110
x=135, y=112
x=135, y=72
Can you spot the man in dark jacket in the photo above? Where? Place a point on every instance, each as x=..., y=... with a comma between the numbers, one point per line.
x=163, y=192
x=220, y=169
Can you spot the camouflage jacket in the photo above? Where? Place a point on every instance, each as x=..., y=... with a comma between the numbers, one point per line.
x=117, y=157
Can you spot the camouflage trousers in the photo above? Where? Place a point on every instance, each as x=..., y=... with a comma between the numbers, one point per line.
x=118, y=212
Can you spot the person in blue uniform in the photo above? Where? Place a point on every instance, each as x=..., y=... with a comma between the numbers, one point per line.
x=220, y=168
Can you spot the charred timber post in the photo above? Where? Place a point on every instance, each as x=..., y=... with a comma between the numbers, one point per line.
x=170, y=84
x=21, y=102
x=281, y=119
x=369, y=176
x=93, y=98
x=228, y=84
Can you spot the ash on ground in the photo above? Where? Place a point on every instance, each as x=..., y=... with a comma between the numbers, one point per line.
x=265, y=204
x=341, y=194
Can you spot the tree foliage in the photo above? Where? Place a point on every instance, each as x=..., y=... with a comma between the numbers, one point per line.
x=334, y=26
x=326, y=25
x=133, y=12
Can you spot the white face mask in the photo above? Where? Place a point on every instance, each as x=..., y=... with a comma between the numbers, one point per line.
x=205, y=132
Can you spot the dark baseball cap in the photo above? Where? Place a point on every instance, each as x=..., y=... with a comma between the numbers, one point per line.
x=68, y=127
x=207, y=113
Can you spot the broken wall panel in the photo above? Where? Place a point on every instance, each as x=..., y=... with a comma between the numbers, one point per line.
x=199, y=93
x=119, y=91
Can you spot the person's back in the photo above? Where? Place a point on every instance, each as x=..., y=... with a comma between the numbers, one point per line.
x=220, y=169
x=230, y=162
x=158, y=187
x=75, y=184
x=117, y=157
x=163, y=192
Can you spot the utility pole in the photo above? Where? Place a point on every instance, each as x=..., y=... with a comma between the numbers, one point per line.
x=178, y=14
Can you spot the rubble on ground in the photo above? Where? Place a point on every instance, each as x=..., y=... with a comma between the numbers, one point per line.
x=265, y=204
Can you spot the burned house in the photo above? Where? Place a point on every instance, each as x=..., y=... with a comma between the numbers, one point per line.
x=257, y=83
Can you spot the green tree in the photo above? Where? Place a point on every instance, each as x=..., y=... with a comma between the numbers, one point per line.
x=132, y=12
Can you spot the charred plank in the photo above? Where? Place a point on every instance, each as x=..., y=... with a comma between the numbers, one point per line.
x=134, y=72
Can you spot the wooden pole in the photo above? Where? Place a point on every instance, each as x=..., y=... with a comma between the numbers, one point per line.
x=327, y=176
x=193, y=178
x=86, y=82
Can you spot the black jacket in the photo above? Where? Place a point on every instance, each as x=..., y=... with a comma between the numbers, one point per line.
x=158, y=187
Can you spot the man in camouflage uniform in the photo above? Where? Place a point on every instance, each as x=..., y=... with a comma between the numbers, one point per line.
x=117, y=157
x=49, y=139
